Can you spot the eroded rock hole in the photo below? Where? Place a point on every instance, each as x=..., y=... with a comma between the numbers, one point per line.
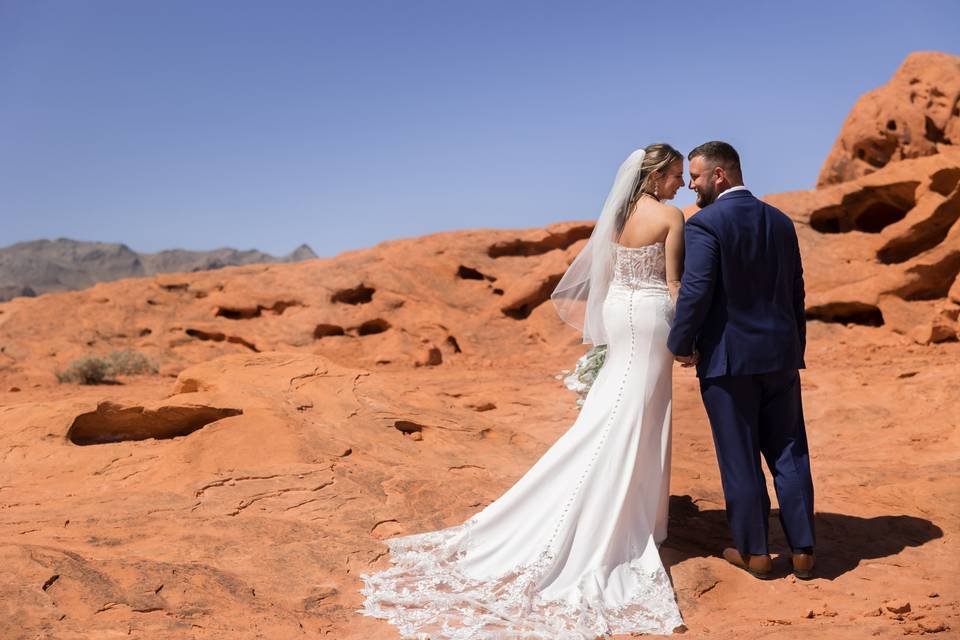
x=536, y=247
x=875, y=217
x=453, y=343
x=847, y=313
x=324, y=330
x=522, y=308
x=216, y=336
x=238, y=313
x=878, y=152
x=931, y=281
x=869, y=210
x=114, y=423
x=945, y=180
x=468, y=273
x=827, y=220
x=932, y=132
x=245, y=343
x=370, y=327
x=282, y=305
x=246, y=313
x=924, y=235
x=360, y=294
x=406, y=427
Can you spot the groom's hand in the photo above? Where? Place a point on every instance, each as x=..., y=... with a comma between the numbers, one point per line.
x=688, y=361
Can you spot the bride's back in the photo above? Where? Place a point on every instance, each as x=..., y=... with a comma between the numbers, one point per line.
x=648, y=223
x=651, y=222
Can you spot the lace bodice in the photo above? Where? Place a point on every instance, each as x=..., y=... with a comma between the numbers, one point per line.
x=641, y=267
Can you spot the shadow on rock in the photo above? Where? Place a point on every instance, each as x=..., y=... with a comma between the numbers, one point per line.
x=843, y=541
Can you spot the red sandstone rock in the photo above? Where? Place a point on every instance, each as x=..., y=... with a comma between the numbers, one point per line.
x=888, y=242
x=897, y=606
x=914, y=115
x=954, y=293
x=934, y=626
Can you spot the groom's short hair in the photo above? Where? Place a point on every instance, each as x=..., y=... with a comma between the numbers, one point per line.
x=719, y=153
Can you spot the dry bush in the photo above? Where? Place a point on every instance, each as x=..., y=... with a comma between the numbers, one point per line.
x=101, y=369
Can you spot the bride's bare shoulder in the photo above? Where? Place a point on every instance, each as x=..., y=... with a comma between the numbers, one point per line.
x=670, y=213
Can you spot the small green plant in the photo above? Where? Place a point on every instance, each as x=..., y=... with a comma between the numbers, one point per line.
x=100, y=369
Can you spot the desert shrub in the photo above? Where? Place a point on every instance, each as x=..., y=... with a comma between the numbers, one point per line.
x=85, y=370
x=129, y=362
x=100, y=369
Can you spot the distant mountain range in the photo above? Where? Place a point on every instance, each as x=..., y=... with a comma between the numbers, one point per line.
x=41, y=266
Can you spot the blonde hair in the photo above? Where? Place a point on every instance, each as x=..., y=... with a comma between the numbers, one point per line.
x=656, y=158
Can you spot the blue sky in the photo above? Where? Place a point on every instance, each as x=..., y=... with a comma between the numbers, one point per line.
x=200, y=124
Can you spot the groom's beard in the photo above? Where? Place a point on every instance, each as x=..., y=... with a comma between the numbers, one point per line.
x=706, y=196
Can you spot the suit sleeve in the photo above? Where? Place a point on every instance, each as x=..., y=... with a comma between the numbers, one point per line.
x=700, y=268
x=799, y=296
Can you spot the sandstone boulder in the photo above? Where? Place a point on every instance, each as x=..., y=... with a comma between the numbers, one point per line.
x=916, y=114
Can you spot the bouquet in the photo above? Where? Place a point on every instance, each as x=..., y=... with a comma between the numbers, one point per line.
x=585, y=372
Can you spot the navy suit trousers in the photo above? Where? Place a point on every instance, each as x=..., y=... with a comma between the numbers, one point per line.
x=750, y=416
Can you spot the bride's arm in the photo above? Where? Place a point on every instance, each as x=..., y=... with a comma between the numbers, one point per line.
x=674, y=253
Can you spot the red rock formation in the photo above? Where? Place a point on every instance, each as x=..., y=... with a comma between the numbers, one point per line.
x=916, y=114
x=884, y=249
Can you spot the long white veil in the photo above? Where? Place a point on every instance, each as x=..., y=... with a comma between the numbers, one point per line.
x=578, y=298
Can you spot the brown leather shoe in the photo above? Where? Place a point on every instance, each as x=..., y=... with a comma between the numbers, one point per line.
x=757, y=566
x=803, y=565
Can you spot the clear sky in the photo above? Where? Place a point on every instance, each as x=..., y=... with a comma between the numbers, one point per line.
x=206, y=123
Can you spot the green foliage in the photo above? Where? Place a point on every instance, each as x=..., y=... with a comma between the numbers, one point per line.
x=101, y=369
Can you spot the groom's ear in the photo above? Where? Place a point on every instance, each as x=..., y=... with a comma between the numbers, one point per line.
x=719, y=173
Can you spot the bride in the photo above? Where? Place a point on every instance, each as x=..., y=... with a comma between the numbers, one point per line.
x=571, y=550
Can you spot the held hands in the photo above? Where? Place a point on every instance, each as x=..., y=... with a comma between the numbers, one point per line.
x=688, y=361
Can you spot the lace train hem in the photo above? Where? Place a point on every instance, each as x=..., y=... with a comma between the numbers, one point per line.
x=427, y=596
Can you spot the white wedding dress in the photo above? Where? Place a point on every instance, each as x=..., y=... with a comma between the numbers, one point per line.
x=570, y=550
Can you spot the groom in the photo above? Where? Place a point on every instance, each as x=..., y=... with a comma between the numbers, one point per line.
x=740, y=319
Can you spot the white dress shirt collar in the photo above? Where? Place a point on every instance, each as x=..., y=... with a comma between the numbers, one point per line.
x=731, y=190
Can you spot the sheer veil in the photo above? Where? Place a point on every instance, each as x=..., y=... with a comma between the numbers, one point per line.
x=578, y=298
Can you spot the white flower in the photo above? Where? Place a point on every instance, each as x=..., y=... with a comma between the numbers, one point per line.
x=586, y=371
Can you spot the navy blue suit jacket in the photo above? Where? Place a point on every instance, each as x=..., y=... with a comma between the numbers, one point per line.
x=741, y=296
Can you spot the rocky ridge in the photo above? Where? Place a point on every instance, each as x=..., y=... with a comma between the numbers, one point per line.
x=42, y=266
